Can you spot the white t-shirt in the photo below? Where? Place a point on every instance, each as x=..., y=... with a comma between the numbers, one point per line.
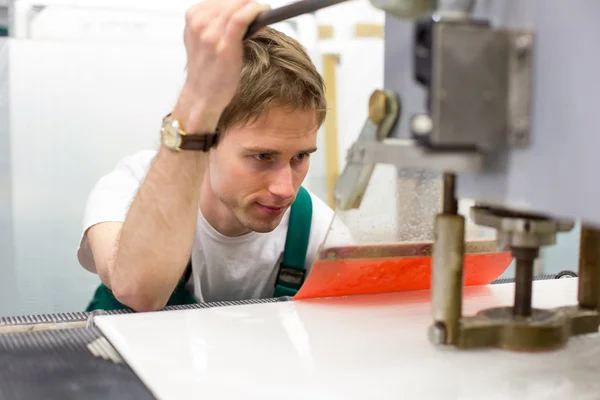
x=223, y=268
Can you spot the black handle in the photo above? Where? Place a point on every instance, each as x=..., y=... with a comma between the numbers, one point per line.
x=286, y=12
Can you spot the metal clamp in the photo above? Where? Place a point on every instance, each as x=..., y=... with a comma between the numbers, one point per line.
x=519, y=229
x=520, y=327
x=479, y=84
x=384, y=110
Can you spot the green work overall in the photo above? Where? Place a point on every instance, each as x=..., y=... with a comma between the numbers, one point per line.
x=290, y=276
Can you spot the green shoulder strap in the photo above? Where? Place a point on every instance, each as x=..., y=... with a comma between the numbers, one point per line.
x=291, y=274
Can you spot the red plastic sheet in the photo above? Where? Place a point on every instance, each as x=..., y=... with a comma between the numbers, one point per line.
x=393, y=268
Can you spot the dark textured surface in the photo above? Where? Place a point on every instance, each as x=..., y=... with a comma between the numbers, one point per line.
x=535, y=278
x=57, y=364
x=82, y=316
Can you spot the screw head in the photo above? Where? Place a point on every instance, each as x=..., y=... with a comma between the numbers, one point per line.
x=421, y=125
x=523, y=44
x=437, y=333
x=377, y=107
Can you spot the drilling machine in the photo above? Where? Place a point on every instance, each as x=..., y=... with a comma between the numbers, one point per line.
x=497, y=97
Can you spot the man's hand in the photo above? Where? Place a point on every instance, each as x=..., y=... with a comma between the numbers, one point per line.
x=213, y=40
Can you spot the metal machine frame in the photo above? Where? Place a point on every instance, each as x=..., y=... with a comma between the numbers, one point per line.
x=478, y=82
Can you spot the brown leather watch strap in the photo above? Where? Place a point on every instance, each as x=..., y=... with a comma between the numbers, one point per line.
x=199, y=142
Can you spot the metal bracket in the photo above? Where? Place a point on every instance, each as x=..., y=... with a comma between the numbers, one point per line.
x=520, y=230
x=520, y=60
x=520, y=327
x=373, y=147
x=479, y=80
x=544, y=330
x=384, y=110
x=407, y=154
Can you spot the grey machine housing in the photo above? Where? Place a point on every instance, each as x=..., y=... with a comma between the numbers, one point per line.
x=547, y=160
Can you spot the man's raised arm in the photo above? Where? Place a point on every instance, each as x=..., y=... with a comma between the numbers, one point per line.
x=143, y=259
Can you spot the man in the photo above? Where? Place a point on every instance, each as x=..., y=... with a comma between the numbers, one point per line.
x=226, y=202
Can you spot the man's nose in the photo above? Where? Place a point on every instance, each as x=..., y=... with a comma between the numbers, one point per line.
x=283, y=184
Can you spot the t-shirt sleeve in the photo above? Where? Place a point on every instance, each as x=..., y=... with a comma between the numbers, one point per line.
x=326, y=227
x=111, y=197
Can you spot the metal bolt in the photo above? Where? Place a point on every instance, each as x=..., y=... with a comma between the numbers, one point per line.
x=421, y=124
x=377, y=107
x=520, y=131
x=437, y=333
x=523, y=44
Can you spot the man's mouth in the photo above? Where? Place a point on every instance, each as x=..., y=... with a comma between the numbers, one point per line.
x=271, y=210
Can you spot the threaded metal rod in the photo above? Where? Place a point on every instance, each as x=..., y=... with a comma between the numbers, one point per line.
x=525, y=258
x=449, y=203
x=523, y=285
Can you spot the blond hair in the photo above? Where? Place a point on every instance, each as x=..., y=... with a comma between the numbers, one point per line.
x=277, y=71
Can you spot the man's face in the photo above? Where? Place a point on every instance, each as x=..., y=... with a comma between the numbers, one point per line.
x=257, y=168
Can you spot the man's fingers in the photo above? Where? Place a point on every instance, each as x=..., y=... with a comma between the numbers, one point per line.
x=191, y=11
x=216, y=27
x=239, y=21
x=198, y=17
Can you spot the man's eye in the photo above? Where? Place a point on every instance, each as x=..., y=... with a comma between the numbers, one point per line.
x=262, y=157
x=302, y=156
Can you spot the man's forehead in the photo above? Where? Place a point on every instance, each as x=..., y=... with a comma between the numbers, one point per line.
x=279, y=150
x=284, y=120
x=287, y=136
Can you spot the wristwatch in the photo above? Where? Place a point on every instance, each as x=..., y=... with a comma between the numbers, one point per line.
x=175, y=138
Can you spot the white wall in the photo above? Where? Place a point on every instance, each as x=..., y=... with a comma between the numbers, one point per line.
x=73, y=114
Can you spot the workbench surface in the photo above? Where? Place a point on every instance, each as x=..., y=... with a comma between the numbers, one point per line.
x=356, y=347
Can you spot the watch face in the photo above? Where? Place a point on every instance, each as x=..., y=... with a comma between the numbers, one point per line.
x=170, y=134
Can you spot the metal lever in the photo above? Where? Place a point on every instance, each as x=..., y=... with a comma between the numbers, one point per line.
x=286, y=12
